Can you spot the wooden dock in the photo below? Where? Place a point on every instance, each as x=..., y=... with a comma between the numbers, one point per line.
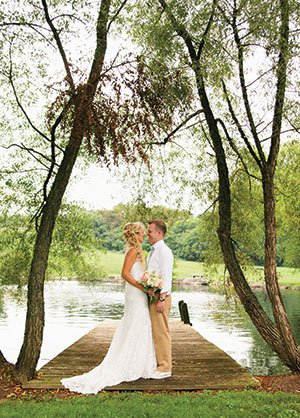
x=197, y=363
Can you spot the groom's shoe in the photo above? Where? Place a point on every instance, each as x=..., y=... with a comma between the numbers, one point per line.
x=160, y=375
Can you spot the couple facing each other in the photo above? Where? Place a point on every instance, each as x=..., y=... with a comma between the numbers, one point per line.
x=141, y=346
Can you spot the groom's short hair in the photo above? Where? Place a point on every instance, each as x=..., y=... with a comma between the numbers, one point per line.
x=159, y=225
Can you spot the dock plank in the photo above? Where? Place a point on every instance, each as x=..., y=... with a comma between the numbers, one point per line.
x=197, y=363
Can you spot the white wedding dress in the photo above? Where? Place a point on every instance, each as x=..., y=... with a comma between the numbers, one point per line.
x=131, y=354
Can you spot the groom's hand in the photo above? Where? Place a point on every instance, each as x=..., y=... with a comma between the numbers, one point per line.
x=160, y=306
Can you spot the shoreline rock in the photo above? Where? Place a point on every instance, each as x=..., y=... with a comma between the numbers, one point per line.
x=192, y=281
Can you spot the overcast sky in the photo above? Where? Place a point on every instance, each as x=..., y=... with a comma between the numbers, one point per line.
x=96, y=188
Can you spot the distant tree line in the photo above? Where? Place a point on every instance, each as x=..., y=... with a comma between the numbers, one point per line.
x=79, y=231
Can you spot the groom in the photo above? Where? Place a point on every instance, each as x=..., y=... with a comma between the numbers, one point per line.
x=161, y=261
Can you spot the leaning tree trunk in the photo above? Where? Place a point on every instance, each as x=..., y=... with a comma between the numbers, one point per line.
x=289, y=344
x=30, y=351
x=7, y=369
x=33, y=337
x=3, y=361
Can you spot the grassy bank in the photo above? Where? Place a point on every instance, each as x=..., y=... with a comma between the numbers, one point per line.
x=111, y=264
x=225, y=404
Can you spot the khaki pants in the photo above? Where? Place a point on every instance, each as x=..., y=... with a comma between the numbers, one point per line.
x=161, y=336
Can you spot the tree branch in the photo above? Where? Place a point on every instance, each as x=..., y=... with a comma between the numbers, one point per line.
x=31, y=25
x=235, y=149
x=258, y=78
x=68, y=15
x=238, y=125
x=113, y=66
x=35, y=27
x=101, y=44
x=69, y=77
x=30, y=170
x=240, y=49
x=171, y=134
x=207, y=29
x=180, y=30
x=214, y=202
x=116, y=14
x=281, y=83
x=10, y=77
x=209, y=141
x=295, y=128
x=32, y=152
x=282, y=132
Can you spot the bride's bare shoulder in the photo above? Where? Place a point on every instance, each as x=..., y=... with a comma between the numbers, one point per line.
x=131, y=252
x=130, y=258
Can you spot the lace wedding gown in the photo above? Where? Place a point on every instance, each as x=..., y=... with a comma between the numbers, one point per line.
x=131, y=354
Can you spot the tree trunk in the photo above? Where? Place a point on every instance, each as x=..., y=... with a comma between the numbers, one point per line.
x=33, y=337
x=3, y=361
x=289, y=345
x=30, y=350
x=7, y=370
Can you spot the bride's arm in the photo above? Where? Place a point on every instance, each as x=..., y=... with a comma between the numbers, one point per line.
x=130, y=258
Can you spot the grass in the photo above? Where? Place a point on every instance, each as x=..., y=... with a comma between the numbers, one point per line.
x=223, y=404
x=289, y=276
x=111, y=264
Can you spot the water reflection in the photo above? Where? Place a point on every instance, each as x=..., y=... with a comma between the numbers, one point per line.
x=73, y=308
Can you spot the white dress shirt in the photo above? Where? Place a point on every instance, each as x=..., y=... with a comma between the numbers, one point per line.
x=161, y=261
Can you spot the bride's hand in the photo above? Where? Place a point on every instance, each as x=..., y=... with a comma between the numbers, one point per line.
x=151, y=292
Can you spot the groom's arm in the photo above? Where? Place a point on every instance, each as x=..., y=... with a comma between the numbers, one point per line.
x=166, y=275
x=167, y=260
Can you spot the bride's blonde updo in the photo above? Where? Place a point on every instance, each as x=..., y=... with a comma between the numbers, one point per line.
x=130, y=234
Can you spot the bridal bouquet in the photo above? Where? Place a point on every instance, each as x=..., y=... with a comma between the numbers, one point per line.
x=151, y=280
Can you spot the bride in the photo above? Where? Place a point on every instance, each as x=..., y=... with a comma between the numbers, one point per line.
x=131, y=354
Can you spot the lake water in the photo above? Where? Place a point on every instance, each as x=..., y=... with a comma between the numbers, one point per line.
x=74, y=308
